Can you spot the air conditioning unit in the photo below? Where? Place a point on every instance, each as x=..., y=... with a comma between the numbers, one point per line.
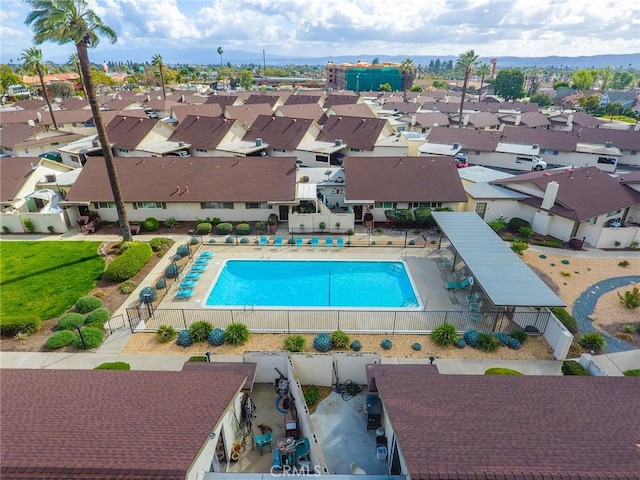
x=95, y=143
x=456, y=146
x=258, y=142
x=608, y=144
x=338, y=142
x=535, y=146
x=181, y=144
x=50, y=178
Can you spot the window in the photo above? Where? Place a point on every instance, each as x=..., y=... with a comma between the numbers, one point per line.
x=549, y=152
x=149, y=205
x=387, y=205
x=481, y=209
x=358, y=150
x=419, y=205
x=227, y=205
x=608, y=160
x=322, y=158
x=281, y=150
x=123, y=150
x=254, y=205
x=74, y=158
x=105, y=205
x=613, y=214
x=592, y=220
x=202, y=150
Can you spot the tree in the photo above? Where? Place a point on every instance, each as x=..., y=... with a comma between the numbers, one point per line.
x=542, y=99
x=64, y=21
x=246, y=79
x=613, y=108
x=484, y=70
x=589, y=104
x=621, y=80
x=440, y=84
x=220, y=52
x=7, y=78
x=32, y=63
x=557, y=85
x=466, y=62
x=408, y=71
x=385, y=87
x=582, y=79
x=416, y=88
x=75, y=61
x=62, y=89
x=157, y=62
x=606, y=75
x=509, y=84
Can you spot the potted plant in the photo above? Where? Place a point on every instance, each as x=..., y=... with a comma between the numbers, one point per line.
x=337, y=227
x=272, y=223
x=322, y=226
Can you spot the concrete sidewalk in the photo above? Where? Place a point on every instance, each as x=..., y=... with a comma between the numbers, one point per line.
x=477, y=366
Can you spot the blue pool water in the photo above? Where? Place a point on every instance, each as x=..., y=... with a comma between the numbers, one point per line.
x=313, y=283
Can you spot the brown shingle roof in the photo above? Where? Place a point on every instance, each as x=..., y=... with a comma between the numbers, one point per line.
x=209, y=179
x=431, y=119
x=258, y=99
x=481, y=140
x=547, y=139
x=303, y=99
x=74, y=103
x=30, y=104
x=109, y=424
x=128, y=132
x=357, y=132
x=202, y=132
x=20, y=116
x=451, y=427
x=403, y=179
x=15, y=171
x=353, y=110
x=247, y=114
x=534, y=119
x=279, y=132
x=205, y=110
x=581, y=119
x=483, y=119
x=222, y=100
x=310, y=111
x=121, y=104
x=69, y=116
x=623, y=139
x=340, y=99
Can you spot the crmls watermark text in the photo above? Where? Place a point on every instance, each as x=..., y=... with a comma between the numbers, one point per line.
x=292, y=471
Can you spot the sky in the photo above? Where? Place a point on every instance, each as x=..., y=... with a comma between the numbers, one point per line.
x=493, y=28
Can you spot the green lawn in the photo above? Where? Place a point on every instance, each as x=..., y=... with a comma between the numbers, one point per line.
x=46, y=278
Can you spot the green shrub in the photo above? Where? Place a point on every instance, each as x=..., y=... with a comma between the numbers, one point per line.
x=525, y=233
x=400, y=217
x=128, y=286
x=627, y=337
x=170, y=222
x=244, y=240
x=632, y=373
x=501, y=371
x=224, y=228
x=519, y=335
x=487, y=342
x=166, y=333
x=339, y=339
x=200, y=330
x=571, y=367
x=113, y=366
x=99, y=315
x=416, y=347
x=12, y=326
x=273, y=219
x=322, y=342
x=295, y=343
x=60, y=339
x=444, y=335
x=29, y=227
x=87, y=304
x=68, y=321
x=592, y=341
x=356, y=346
x=631, y=298
x=161, y=245
x=172, y=271
x=243, y=229
x=515, y=224
x=423, y=216
x=216, y=337
x=92, y=338
x=311, y=395
x=229, y=240
x=198, y=358
x=386, y=344
x=499, y=225
x=150, y=224
x=6, y=229
x=623, y=263
x=130, y=262
x=184, y=339
x=194, y=241
x=518, y=246
x=236, y=334
x=160, y=284
x=182, y=250
x=148, y=293
x=204, y=228
x=566, y=319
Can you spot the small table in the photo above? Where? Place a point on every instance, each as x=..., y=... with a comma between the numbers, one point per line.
x=82, y=220
x=287, y=449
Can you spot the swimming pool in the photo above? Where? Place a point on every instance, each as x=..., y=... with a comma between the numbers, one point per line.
x=313, y=284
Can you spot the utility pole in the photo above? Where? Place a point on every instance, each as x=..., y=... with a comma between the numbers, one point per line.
x=264, y=63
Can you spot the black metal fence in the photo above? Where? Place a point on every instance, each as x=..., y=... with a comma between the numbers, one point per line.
x=145, y=319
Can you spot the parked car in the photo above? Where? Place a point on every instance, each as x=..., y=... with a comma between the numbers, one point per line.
x=461, y=160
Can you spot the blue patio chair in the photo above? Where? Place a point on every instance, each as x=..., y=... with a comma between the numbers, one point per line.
x=188, y=283
x=198, y=268
x=202, y=261
x=278, y=242
x=340, y=242
x=476, y=307
x=476, y=317
x=207, y=254
x=473, y=298
x=467, y=282
x=193, y=276
x=264, y=441
x=328, y=242
x=184, y=293
x=314, y=242
x=263, y=241
x=298, y=242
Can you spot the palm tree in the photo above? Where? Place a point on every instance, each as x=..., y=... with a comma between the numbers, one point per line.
x=32, y=62
x=157, y=62
x=466, y=62
x=75, y=61
x=484, y=70
x=220, y=52
x=408, y=71
x=64, y=21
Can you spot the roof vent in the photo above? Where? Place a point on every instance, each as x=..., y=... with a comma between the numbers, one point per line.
x=258, y=142
x=338, y=142
x=608, y=144
x=456, y=146
x=95, y=143
x=181, y=144
x=50, y=178
x=535, y=146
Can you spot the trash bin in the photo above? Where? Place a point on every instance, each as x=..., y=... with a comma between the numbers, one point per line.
x=381, y=453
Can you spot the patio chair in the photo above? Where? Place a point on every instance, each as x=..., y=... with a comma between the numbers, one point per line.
x=263, y=441
x=476, y=307
x=298, y=242
x=314, y=242
x=193, y=276
x=340, y=242
x=476, y=317
x=188, y=283
x=447, y=262
x=263, y=241
x=184, y=293
x=328, y=242
x=467, y=282
x=302, y=448
x=278, y=242
x=202, y=261
x=206, y=254
x=473, y=298
x=198, y=268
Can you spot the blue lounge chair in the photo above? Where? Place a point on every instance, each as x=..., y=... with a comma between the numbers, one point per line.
x=314, y=242
x=473, y=298
x=188, y=283
x=263, y=241
x=476, y=317
x=476, y=307
x=193, y=276
x=278, y=242
x=198, y=268
x=298, y=242
x=339, y=242
x=184, y=293
x=202, y=261
x=206, y=254
x=467, y=282
x=328, y=242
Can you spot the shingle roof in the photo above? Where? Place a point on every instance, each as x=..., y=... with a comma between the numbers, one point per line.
x=109, y=424
x=222, y=100
x=452, y=427
x=279, y=132
x=311, y=111
x=73, y=103
x=128, y=132
x=431, y=119
x=247, y=114
x=546, y=139
x=353, y=110
x=623, y=139
x=484, y=141
x=209, y=179
x=306, y=98
x=258, y=99
x=69, y=116
x=340, y=99
x=204, y=110
x=582, y=119
x=15, y=171
x=403, y=179
x=10, y=117
x=356, y=132
x=534, y=119
x=202, y=132
x=30, y=104
x=483, y=119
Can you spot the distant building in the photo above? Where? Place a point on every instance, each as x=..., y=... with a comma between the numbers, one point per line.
x=363, y=76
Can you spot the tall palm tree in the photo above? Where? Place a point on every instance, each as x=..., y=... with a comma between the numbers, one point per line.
x=484, y=70
x=64, y=21
x=220, y=52
x=466, y=63
x=157, y=62
x=32, y=62
x=75, y=61
x=408, y=71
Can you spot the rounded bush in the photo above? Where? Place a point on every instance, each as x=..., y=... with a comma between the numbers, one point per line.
x=182, y=250
x=444, y=335
x=356, y=346
x=460, y=343
x=212, y=240
x=68, y=321
x=204, y=228
x=184, y=339
x=322, y=342
x=194, y=240
x=130, y=262
x=243, y=229
x=244, y=240
x=113, y=366
x=519, y=335
x=514, y=344
x=339, y=339
x=92, y=338
x=99, y=315
x=224, y=228
x=416, y=347
x=229, y=240
x=488, y=342
x=24, y=325
x=87, y=304
x=160, y=284
x=200, y=331
x=386, y=344
x=172, y=271
x=148, y=292
x=515, y=224
x=295, y=343
x=150, y=224
x=503, y=338
x=216, y=337
x=571, y=367
x=501, y=371
x=236, y=334
x=165, y=333
x=471, y=338
x=592, y=341
x=60, y=339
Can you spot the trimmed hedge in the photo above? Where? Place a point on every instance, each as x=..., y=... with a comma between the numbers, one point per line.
x=60, y=339
x=566, y=319
x=69, y=321
x=113, y=366
x=92, y=338
x=501, y=371
x=130, y=262
x=243, y=229
x=99, y=315
x=151, y=224
x=571, y=367
x=224, y=228
x=88, y=304
x=11, y=326
x=515, y=224
x=204, y=228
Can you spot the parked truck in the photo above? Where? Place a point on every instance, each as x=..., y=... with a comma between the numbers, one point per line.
x=521, y=161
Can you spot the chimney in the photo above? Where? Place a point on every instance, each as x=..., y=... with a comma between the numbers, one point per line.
x=518, y=120
x=186, y=190
x=570, y=120
x=337, y=142
x=258, y=142
x=465, y=119
x=413, y=120
x=550, y=194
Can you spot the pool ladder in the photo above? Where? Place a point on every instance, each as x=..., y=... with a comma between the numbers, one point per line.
x=249, y=308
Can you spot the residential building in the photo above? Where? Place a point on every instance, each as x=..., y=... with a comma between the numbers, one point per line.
x=363, y=76
x=363, y=136
x=20, y=140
